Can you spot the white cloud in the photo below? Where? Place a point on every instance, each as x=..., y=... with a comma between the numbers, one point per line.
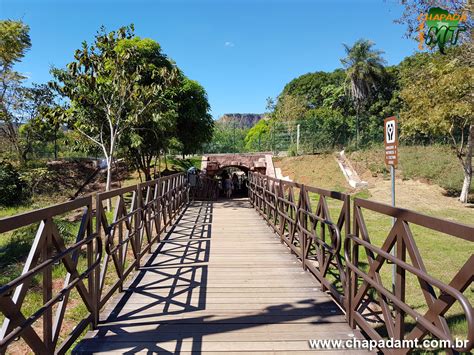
x=229, y=44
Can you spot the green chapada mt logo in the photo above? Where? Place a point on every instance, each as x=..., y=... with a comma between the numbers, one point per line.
x=442, y=28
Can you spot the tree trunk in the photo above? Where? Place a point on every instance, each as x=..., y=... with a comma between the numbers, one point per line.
x=467, y=166
x=108, y=184
x=110, y=159
x=56, y=144
x=154, y=167
x=139, y=172
x=159, y=165
x=147, y=173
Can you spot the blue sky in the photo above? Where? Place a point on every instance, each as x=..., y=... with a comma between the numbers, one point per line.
x=241, y=51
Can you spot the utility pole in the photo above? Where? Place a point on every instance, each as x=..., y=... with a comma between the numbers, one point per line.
x=273, y=136
x=298, y=139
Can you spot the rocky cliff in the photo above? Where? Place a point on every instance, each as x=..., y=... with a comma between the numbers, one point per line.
x=241, y=120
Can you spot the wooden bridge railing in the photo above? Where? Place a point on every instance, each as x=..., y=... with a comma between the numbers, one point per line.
x=392, y=304
x=107, y=246
x=310, y=233
x=357, y=280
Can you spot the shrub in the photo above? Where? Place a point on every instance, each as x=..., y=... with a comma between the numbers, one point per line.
x=292, y=151
x=13, y=189
x=40, y=180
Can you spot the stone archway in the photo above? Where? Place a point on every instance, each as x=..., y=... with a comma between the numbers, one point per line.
x=213, y=163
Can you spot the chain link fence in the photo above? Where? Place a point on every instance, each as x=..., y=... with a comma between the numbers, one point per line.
x=291, y=137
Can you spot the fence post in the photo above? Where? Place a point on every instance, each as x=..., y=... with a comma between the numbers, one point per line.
x=158, y=212
x=301, y=222
x=400, y=289
x=347, y=230
x=352, y=282
x=141, y=213
x=47, y=285
x=97, y=286
x=281, y=229
x=92, y=252
x=298, y=139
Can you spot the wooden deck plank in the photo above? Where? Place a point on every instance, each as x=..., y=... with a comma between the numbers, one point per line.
x=221, y=282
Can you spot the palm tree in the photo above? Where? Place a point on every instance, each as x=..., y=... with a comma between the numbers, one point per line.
x=364, y=67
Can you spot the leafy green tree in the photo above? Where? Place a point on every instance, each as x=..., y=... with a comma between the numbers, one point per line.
x=195, y=124
x=328, y=128
x=289, y=110
x=113, y=85
x=438, y=100
x=13, y=189
x=364, y=69
x=147, y=137
x=145, y=142
x=227, y=138
x=258, y=138
x=14, y=42
x=310, y=86
x=33, y=112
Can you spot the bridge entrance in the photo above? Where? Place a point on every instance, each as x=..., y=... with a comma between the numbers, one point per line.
x=236, y=168
x=235, y=177
x=212, y=164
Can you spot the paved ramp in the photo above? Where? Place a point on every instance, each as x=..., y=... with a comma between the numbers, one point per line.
x=221, y=282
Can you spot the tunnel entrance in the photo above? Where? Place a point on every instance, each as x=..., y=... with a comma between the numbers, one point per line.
x=232, y=181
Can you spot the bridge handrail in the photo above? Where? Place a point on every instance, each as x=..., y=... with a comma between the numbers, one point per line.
x=286, y=206
x=399, y=243
x=142, y=213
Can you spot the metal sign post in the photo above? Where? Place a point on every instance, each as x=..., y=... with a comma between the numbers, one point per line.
x=390, y=129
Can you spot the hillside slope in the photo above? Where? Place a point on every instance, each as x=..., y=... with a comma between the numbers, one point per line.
x=420, y=193
x=315, y=170
x=435, y=164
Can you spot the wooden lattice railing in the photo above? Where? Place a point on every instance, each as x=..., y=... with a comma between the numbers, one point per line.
x=301, y=217
x=108, y=246
x=389, y=304
x=309, y=231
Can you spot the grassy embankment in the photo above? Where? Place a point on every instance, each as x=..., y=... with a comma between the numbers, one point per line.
x=426, y=177
x=14, y=247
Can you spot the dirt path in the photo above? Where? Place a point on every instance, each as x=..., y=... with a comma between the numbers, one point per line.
x=416, y=195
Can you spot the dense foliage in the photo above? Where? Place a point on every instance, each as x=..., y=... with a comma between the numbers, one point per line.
x=438, y=82
x=12, y=188
x=121, y=97
x=427, y=91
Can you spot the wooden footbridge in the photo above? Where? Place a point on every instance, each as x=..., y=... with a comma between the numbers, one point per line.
x=173, y=270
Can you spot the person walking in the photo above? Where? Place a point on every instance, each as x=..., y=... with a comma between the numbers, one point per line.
x=228, y=186
x=235, y=182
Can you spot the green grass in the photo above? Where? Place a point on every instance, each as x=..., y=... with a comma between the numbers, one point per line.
x=437, y=164
x=316, y=170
